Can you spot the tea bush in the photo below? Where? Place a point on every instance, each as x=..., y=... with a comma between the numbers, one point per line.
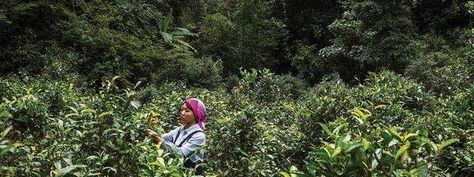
x=455, y=120
x=91, y=135
x=262, y=85
x=80, y=81
x=363, y=146
x=438, y=66
x=54, y=128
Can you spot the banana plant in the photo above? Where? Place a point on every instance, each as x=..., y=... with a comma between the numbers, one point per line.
x=174, y=36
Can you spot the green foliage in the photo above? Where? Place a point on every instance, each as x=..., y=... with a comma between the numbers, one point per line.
x=176, y=36
x=90, y=135
x=141, y=40
x=263, y=126
x=442, y=17
x=217, y=36
x=438, y=66
x=247, y=38
x=267, y=87
x=308, y=64
x=365, y=30
x=81, y=80
x=455, y=120
x=98, y=40
x=404, y=101
x=367, y=147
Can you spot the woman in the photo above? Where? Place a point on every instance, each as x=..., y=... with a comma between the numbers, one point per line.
x=187, y=139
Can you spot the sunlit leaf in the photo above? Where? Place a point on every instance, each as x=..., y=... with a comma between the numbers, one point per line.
x=85, y=111
x=284, y=174
x=406, y=137
x=380, y=106
x=365, y=143
x=167, y=37
x=445, y=143
x=393, y=142
x=336, y=152
x=325, y=128
x=135, y=104
x=338, y=128
x=68, y=169
x=353, y=146
x=402, y=150
x=5, y=132
x=104, y=114
x=394, y=132
x=5, y=114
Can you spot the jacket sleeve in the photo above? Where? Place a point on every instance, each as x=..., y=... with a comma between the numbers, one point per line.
x=197, y=141
x=169, y=137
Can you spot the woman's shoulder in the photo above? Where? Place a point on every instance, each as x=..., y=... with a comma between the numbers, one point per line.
x=175, y=130
x=198, y=132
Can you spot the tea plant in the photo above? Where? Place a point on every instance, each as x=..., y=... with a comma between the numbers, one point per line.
x=363, y=146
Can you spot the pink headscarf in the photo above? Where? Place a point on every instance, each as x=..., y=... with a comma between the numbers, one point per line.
x=198, y=109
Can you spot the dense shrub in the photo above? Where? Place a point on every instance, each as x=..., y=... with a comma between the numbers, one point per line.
x=91, y=135
x=365, y=30
x=364, y=146
x=455, y=120
x=262, y=85
x=438, y=66
x=247, y=38
x=263, y=126
x=90, y=42
x=81, y=80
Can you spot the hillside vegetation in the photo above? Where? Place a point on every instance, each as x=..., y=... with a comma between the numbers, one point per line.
x=292, y=87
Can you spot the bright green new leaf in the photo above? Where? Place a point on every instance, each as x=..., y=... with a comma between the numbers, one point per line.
x=5, y=132
x=85, y=111
x=409, y=135
x=358, y=112
x=336, y=152
x=365, y=143
x=284, y=174
x=338, y=128
x=104, y=114
x=353, y=146
x=402, y=149
x=68, y=169
x=325, y=128
x=441, y=146
x=394, y=132
x=161, y=161
x=5, y=114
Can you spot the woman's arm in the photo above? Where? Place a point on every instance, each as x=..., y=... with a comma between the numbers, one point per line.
x=167, y=137
x=197, y=141
x=170, y=135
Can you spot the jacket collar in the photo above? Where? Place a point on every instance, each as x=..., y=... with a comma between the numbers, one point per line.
x=192, y=128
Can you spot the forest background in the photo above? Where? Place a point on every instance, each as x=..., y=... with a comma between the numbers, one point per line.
x=293, y=87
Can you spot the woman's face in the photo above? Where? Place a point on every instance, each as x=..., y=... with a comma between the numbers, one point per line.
x=186, y=116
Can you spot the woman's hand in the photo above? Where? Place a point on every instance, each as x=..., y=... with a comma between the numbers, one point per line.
x=153, y=135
